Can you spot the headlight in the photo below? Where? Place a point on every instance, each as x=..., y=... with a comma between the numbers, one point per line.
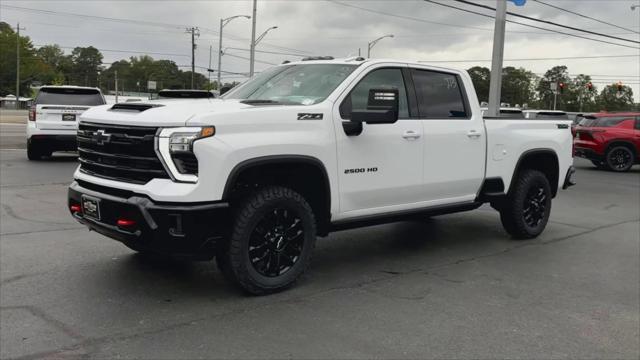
x=175, y=149
x=182, y=142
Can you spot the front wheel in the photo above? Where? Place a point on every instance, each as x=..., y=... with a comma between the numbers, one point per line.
x=272, y=240
x=620, y=159
x=526, y=211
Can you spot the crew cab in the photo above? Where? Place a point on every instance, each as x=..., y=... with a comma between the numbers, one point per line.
x=610, y=140
x=53, y=118
x=303, y=149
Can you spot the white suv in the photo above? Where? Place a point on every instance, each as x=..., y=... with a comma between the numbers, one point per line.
x=53, y=118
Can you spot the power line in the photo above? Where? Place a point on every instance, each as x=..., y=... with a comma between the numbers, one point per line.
x=531, y=26
x=266, y=52
x=123, y=51
x=532, y=59
x=585, y=16
x=549, y=22
x=246, y=58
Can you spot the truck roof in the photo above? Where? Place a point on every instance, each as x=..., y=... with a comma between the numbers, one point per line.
x=357, y=60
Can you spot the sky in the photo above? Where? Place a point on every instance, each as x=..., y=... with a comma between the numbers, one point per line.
x=422, y=31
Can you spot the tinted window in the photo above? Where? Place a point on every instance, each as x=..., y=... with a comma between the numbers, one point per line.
x=69, y=96
x=439, y=95
x=551, y=116
x=377, y=79
x=610, y=121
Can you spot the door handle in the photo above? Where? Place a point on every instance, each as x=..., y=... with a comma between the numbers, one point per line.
x=474, y=134
x=410, y=135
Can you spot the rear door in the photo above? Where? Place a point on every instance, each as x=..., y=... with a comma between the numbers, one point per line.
x=454, y=137
x=58, y=108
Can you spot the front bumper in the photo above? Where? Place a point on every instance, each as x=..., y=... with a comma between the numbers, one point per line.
x=192, y=230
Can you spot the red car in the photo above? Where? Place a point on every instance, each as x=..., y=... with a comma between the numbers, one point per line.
x=610, y=140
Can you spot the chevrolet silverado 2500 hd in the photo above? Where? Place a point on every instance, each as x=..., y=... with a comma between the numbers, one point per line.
x=303, y=149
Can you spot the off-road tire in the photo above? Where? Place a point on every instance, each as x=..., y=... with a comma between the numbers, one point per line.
x=613, y=161
x=515, y=214
x=235, y=261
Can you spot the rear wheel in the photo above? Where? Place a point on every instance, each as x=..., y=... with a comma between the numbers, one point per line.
x=272, y=241
x=526, y=211
x=619, y=158
x=34, y=151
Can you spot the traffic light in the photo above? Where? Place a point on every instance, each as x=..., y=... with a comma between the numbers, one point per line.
x=619, y=85
x=589, y=86
x=561, y=87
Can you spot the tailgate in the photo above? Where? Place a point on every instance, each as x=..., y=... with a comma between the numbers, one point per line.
x=58, y=108
x=52, y=117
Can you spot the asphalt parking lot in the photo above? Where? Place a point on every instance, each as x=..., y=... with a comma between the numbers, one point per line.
x=449, y=287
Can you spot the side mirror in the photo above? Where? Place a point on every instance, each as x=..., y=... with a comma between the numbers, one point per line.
x=224, y=89
x=382, y=108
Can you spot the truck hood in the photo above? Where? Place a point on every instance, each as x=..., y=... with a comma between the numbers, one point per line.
x=166, y=112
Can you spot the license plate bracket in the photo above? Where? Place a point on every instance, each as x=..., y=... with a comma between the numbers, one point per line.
x=68, y=117
x=91, y=207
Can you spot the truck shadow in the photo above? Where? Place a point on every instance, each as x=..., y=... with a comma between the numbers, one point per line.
x=343, y=257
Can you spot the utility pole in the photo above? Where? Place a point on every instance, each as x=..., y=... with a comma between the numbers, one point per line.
x=210, y=50
x=18, y=64
x=116, y=74
x=496, y=59
x=252, y=53
x=194, y=32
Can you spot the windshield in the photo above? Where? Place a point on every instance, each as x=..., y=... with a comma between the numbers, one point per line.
x=69, y=96
x=305, y=84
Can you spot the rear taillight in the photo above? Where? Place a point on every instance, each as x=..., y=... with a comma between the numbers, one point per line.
x=32, y=113
x=588, y=134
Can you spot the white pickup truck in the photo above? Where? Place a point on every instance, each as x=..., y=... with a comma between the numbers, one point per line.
x=301, y=150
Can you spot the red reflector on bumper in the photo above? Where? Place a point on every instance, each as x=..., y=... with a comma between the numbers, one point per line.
x=75, y=208
x=125, y=222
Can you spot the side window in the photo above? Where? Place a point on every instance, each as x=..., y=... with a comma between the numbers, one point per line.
x=381, y=78
x=439, y=95
x=637, y=122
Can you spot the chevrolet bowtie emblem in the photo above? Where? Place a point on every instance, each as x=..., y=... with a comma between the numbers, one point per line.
x=100, y=138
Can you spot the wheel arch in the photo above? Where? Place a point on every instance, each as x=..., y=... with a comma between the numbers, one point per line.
x=305, y=174
x=544, y=160
x=621, y=142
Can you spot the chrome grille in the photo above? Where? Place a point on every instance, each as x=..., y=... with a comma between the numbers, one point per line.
x=123, y=153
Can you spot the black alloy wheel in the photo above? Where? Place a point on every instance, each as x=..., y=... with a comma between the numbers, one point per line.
x=276, y=243
x=620, y=158
x=533, y=210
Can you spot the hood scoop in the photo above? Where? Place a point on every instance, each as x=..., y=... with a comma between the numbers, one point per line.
x=133, y=107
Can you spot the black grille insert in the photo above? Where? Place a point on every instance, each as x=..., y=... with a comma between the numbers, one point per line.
x=124, y=153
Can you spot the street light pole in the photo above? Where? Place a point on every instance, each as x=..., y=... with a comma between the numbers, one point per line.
x=253, y=46
x=224, y=22
x=252, y=50
x=374, y=42
x=496, y=59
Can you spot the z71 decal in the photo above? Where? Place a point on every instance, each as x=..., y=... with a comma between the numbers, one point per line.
x=360, y=170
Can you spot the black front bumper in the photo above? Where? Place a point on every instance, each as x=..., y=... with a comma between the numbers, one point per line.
x=192, y=230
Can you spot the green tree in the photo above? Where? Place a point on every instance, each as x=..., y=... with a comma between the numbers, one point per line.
x=86, y=63
x=30, y=64
x=610, y=99
x=480, y=76
x=518, y=86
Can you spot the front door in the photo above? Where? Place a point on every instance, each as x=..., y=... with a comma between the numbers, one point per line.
x=382, y=166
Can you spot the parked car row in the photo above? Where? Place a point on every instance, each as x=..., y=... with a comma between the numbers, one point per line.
x=610, y=140
x=53, y=116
